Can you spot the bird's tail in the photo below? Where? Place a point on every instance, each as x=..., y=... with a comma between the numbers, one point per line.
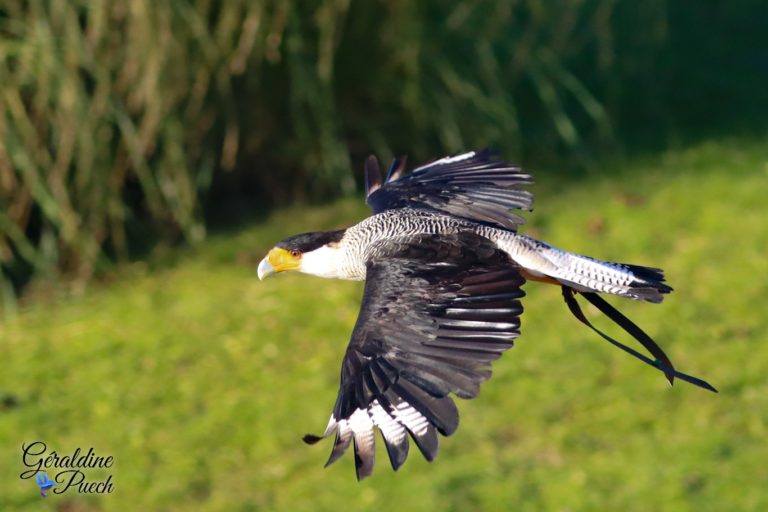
x=585, y=274
x=637, y=282
x=587, y=277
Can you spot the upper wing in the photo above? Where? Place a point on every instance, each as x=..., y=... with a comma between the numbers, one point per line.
x=436, y=311
x=475, y=185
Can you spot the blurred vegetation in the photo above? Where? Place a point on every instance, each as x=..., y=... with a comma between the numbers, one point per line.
x=111, y=111
x=200, y=380
x=127, y=122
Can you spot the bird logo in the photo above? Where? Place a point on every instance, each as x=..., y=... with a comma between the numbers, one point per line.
x=45, y=484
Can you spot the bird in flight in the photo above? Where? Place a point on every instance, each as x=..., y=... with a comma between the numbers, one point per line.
x=443, y=267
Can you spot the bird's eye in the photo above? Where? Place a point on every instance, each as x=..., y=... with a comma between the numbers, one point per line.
x=295, y=253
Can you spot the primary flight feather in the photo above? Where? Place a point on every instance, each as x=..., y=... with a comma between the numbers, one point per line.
x=443, y=266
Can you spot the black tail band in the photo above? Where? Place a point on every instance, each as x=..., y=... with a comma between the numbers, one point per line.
x=661, y=363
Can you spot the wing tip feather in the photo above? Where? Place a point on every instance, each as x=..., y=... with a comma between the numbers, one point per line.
x=372, y=175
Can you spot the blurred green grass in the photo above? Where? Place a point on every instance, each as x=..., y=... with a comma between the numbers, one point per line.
x=201, y=380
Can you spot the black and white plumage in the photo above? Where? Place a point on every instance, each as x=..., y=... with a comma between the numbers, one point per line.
x=473, y=185
x=443, y=269
x=436, y=311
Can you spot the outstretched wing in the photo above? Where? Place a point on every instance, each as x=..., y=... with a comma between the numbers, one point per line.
x=436, y=311
x=475, y=185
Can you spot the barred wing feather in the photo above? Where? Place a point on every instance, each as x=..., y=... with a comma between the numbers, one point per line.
x=436, y=311
x=476, y=186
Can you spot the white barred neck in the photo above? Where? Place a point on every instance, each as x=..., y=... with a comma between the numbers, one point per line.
x=333, y=261
x=345, y=259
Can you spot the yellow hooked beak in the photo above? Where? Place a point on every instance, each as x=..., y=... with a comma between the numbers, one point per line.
x=278, y=260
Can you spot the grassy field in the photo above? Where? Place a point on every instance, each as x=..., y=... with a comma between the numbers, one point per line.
x=200, y=380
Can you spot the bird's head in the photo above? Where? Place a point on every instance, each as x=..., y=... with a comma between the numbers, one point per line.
x=317, y=253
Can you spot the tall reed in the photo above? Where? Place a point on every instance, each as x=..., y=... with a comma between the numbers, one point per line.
x=116, y=116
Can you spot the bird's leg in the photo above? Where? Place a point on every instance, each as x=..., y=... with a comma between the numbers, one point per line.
x=661, y=363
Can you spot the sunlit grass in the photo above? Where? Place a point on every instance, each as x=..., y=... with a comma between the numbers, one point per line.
x=201, y=380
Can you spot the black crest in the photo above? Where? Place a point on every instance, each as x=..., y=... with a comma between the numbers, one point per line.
x=307, y=242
